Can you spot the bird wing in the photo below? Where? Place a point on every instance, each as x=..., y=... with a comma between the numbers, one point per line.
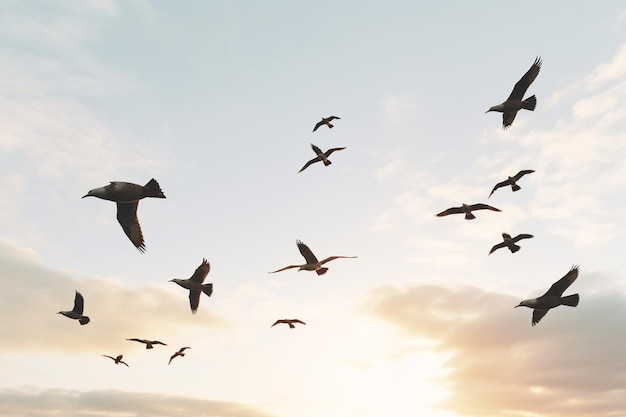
x=194, y=300
x=317, y=150
x=79, y=303
x=138, y=340
x=201, y=272
x=522, y=173
x=182, y=349
x=538, y=315
x=156, y=342
x=451, y=210
x=499, y=185
x=333, y=118
x=125, y=363
x=330, y=258
x=496, y=247
x=507, y=118
x=318, y=124
x=287, y=267
x=297, y=321
x=127, y=217
x=521, y=236
x=557, y=289
x=312, y=161
x=481, y=206
x=172, y=357
x=278, y=322
x=306, y=252
x=107, y=356
x=522, y=85
x=328, y=152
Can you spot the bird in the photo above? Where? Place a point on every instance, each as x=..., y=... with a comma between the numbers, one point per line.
x=127, y=196
x=117, y=360
x=326, y=121
x=77, y=312
x=181, y=352
x=553, y=297
x=467, y=209
x=312, y=264
x=149, y=343
x=290, y=322
x=515, y=102
x=510, y=242
x=512, y=181
x=321, y=156
x=195, y=285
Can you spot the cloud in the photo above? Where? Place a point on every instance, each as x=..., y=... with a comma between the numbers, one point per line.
x=571, y=364
x=29, y=402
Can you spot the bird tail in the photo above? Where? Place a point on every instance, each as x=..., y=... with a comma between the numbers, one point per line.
x=207, y=289
x=327, y=162
x=83, y=320
x=516, y=187
x=514, y=248
x=321, y=271
x=530, y=103
x=469, y=216
x=153, y=189
x=330, y=126
x=570, y=300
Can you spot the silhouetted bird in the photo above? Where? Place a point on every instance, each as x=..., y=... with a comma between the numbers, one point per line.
x=77, y=311
x=312, y=264
x=149, y=343
x=195, y=286
x=117, y=360
x=289, y=322
x=512, y=181
x=510, y=242
x=181, y=352
x=515, y=102
x=326, y=121
x=467, y=209
x=552, y=298
x=321, y=156
x=127, y=196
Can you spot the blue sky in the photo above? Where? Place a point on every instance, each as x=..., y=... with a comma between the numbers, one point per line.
x=217, y=101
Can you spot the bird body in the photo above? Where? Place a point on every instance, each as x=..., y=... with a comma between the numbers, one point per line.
x=321, y=156
x=149, y=343
x=312, y=264
x=77, y=312
x=509, y=242
x=326, y=121
x=195, y=285
x=467, y=209
x=512, y=181
x=290, y=322
x=516, y=102
x=181, y=352
x=553, y=297
x=127, y=196
x=117, y=359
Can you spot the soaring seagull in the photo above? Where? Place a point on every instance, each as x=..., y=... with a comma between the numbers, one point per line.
x=467, y=209
x=195, y=285
x=509, y=242
x=290, y=322
x=77, y=312
x=321, y=156
x=149, y=343
x=515, y=101
x=312, y=264
x=127, y=196
x=512, y=181
x=181, y=352
x=326, y=121
x=117, y=360
x=552, y=298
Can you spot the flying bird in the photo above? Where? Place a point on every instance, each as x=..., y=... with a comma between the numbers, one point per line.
x=467, y=209
x=321, y=156
x=117, y=360
x=149, y=343
x=326, y=121
x=181, y=352
x=195, y=285
x=512, y=181
x=510, y=242
x=77, y=312
x=515, y=102
x=127, y=196
x=553, y=297
x=290, y=322
x=312, y=264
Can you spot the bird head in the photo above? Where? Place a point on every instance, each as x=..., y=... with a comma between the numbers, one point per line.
x=527, y=303
x=96, y=192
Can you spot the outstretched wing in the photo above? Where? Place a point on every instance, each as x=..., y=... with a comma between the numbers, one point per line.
x=317, y=150
x=522, y=236
x=306, y=252
x=538, y=315
x=496, y=247
x=297, y=321
x=330, y=258
x=201, y=272
x=451, y=210
x=507, y=118
x=522, y=173
x=481, y=206
x=107, y=356
x=194, y=300
x=522, y=85
x=328, y=152
x=279, y=322
x=312, y=161
x=79, y=303
x=318, y=124
x=557, y=289
x=499, y=185
x=287, y=267
x=127, y=217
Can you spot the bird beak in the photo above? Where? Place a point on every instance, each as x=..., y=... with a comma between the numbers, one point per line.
x=86, y=195
x=519, y=305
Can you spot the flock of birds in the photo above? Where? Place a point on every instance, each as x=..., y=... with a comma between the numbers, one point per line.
x=127, y=196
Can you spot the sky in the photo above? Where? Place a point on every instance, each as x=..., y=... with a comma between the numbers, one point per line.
x=217, y=101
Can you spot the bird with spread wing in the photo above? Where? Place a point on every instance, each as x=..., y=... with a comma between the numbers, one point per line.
x=321, y=156
x=326, y=121
x=467, y=209
x=510, y=242
x=195, y=285
x=512, y=181
x=312, y=264
x=290, y=322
